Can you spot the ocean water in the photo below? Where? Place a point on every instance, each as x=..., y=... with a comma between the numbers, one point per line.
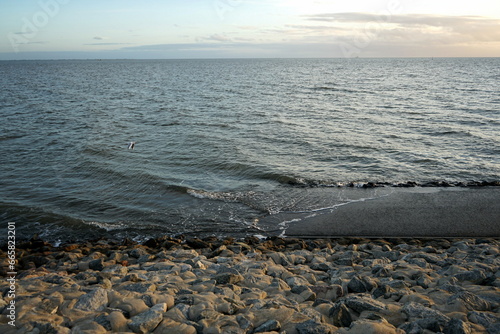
x=232, y=147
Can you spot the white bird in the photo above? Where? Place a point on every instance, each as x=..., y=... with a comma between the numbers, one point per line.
x=131, y=145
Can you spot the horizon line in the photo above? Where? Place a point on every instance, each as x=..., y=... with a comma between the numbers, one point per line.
x=242, y=58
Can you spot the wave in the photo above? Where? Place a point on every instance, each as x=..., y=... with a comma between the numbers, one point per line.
x=335, y=89
x=9, y=137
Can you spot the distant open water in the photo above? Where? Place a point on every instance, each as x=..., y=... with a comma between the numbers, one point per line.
x=230, y=147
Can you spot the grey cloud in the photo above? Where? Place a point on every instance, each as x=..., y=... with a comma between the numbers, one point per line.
x=107, y=44
x=218, y=38
x=406, y=19
x=406, y=28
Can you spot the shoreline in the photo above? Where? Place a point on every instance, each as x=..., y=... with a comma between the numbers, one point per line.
x=273, y=285
x=370, y=211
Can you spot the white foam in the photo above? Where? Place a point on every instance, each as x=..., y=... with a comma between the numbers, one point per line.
x=107, y=226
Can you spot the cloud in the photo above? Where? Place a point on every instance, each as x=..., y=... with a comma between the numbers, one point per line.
x=217, y=38
x=468, y=27
x=99, y=38
x=107, y=44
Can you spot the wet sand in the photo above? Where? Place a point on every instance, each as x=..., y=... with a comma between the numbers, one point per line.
x=410, y=212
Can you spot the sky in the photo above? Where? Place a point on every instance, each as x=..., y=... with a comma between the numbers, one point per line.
x=155, y=29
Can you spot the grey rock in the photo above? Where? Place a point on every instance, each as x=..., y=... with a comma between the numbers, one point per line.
x=88, y=326
x=475, y=276
x=457, y=326
x=49, y=328
x=147, y=321
x=268, y=326
x=384, y=290
x=228, y=278
x=452, y=288
x=296, y=281
x=132, y=277
x=411, y=328
x=103, y=320
x=244, y=323
x=424, y=281
x=360, y=303
x=398, y=284
x=471, y=301
x=418, y=311
x=114, y=270
x=340, y=315
x=313, y=327
x=138, y=252
x=280, y=259
x=381, y=271
x=95, y=300
x=419, y=262
x=320, y=266
x=97, y=265
x=145, y=258
x=140, y=287
x=433, y=259
x=183, y=308
x=344, y=262
x=494, y=329
x=391, y=255
x=356, y=285
x=361, y=284
x=485, y=319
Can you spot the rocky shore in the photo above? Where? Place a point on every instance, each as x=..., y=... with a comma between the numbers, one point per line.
x=210, y=286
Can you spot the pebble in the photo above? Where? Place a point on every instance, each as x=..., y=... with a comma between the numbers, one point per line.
x=292, y=286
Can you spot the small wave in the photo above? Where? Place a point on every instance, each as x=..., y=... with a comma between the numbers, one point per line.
x=107, y=226
x=8, y=137
x=334, y=89
x=219, y=196
x=170, y=124
x=451, y=133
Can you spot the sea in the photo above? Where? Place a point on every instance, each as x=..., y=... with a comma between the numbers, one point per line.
x=233, y=147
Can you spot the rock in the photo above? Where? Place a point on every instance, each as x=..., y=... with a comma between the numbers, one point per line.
x=147, y=321
x=365, y=326
x=475, y=276
x=102, y=319
x=361, y=284
x=228, y=278
x=268, y=326
x=469, y=302
x=140, y=287
x=385, y=290
x=296, y=281
x=329, y=292
x=340, y=315
x=88, y=327
x=457, y=326
x=48, y=327
x=196, y=243
x=138, y=252
x=168, y=326
x=425, y=317
x=314, y=327
x=95, y=300
x=117, y=321
x=131, y=306
x=132, y=277
x=484, y=319
x=114, y=270
x=97, y=265
x=360, y=303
